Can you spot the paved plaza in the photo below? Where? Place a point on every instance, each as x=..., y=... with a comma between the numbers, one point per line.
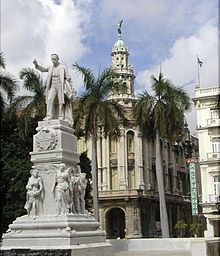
x=152, y=253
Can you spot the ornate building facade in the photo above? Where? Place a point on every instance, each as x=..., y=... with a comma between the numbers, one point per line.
x=128, y=193
x=208, y=129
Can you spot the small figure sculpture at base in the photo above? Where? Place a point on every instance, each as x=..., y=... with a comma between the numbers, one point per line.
x=61, y=190
x=34, y=190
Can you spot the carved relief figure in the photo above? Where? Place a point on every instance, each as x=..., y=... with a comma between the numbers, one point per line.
x=82, y=192
x=34, y=192
x=78, y=184
x=75, y=185
x=61, y=190
x=58, y=91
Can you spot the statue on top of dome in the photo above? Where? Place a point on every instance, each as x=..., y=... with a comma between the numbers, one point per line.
x=119, y=28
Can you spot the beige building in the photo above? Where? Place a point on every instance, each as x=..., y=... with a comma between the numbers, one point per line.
x=128, y=194
x=208, y=129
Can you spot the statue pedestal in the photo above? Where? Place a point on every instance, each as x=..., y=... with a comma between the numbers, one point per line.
x=55, y=145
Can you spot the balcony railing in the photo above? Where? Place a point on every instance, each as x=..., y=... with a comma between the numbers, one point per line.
x=202, y=92
x=213, y=122
x=213, y=155
x=213, y=199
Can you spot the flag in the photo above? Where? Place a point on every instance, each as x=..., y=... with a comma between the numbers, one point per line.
x=199, y=62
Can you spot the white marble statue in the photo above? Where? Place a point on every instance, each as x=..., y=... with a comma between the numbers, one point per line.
x=61, y=190
x=34, y=193
x=59, y=90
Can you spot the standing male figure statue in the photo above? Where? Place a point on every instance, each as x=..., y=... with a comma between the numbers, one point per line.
x=58, y=91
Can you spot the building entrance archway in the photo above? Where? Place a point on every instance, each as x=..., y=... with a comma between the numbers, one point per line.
x=115, y=223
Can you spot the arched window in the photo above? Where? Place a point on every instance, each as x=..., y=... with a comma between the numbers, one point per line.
x=113, y=178
x=131, y=159
x=113, y=145
x=130, y=142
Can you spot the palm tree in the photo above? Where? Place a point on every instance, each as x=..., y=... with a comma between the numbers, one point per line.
x=94, y=110
x=218, y=104
x=161, y=115
x=9, y=84
x=33, y=105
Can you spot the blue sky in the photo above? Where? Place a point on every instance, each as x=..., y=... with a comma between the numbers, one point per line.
x=169, y=33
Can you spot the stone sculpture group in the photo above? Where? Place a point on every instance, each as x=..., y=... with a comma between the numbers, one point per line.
x=69, y=189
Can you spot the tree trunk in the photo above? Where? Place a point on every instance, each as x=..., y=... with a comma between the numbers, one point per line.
x=160, y=183
x=95, y=178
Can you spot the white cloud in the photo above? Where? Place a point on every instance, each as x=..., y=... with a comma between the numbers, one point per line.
x=35, y=29
x=181, y=65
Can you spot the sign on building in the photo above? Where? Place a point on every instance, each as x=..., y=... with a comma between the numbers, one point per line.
x=194, y=201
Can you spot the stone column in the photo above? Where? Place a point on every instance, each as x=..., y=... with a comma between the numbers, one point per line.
x=165, y=161
x=122, y=164
x=105, y=160
x=169, y=209
x=210, y=227
x=146, y=164
x=139, y=160
x=133, y=221
x=99, y=160
x=175, y=178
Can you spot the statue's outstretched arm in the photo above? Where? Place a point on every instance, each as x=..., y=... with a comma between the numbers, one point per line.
x=40, y=68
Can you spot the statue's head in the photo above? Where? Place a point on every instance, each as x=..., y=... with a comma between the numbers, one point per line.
x=55, y=58
x=62, y=167
x=34, y=171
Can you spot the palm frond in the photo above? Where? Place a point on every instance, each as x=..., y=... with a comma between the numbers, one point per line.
x=32, y=80
x=88, y=77
x=218, y=104
x=9, y=84
x=119, y=112
x=20, y=102
x=2, y=60
x=143, y=113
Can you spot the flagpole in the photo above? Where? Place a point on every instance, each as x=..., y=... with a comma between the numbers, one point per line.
x=198, y=70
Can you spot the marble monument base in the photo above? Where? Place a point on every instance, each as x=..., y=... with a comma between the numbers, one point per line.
x=95, y=249
x=70, y=234
x=53, y=188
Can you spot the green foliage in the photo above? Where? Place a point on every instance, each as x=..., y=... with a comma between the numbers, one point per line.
x=32, y=107
x=94, y=107
x=166, y=103
x=8, y=85
x=86, y=168
x=197, y=229
x=181, y=226
x=218, y=104
x=15, y=166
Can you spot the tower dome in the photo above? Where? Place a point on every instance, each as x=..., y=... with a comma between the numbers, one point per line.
x=119, y=44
